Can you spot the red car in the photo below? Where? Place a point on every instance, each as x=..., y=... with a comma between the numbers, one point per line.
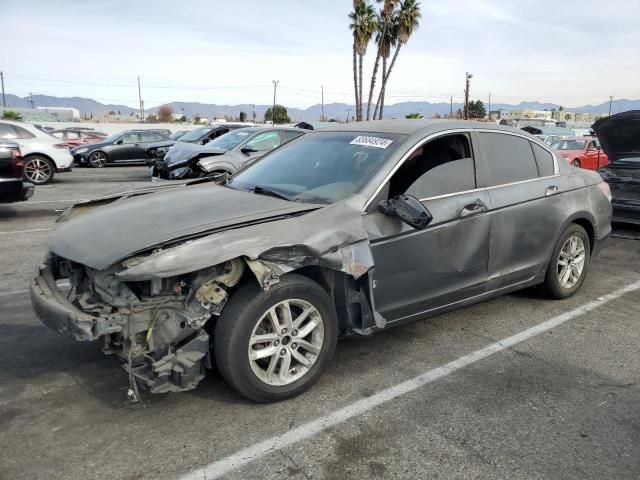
x=74, y=138
x=581, y=152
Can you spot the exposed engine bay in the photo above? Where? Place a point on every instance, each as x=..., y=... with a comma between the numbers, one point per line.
x=155, y=326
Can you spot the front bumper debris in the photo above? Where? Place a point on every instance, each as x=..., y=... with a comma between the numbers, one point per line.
x=56, y=312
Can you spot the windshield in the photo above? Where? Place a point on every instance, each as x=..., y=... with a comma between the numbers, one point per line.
x=177, y=135
x=323, y=167
x=569, y=145
x=230, y=140
x=194, y=135
x=112, y=138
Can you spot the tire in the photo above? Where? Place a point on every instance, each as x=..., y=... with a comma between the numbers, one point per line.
x=576, y=163
x=247, y=315
x=98, y=159
x=554, y=282
x=38, y=170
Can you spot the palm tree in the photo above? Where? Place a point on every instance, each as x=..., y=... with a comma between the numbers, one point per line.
x=363, y=24
x=387, y=39
x=406, y=22
x=384, y=20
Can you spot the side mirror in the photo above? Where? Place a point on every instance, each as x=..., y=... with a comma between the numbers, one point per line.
x=119, y=142
x=408, y=209
x=205, y=141
x=248, y=150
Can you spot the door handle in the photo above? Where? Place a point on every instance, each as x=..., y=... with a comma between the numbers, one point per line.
x=474, y=208
x=552, y=190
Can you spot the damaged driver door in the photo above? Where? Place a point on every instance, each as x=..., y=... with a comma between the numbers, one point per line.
x=446, y=261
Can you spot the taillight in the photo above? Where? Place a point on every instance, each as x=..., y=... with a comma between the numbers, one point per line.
x=61, y=145
x=16, y=162
x=604, y=188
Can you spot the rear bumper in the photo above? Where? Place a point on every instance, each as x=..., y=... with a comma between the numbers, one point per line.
x=15, y=190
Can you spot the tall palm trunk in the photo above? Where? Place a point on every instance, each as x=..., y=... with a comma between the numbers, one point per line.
x=384, y=81
x=360, y=88
x=373, y=84
x=355, y=77
x=383, y=89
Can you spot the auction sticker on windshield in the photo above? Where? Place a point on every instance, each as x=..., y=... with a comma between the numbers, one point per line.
x=371, y=142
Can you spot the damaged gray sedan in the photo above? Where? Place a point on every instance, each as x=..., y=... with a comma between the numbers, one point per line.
x=347, y=230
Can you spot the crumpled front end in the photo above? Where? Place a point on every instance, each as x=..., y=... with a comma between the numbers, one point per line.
x=157, y=327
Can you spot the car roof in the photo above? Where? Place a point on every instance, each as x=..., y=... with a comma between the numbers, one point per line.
x=410, y=126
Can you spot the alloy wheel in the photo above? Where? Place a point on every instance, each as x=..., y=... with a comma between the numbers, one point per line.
x=286, y=342
x=98, y=159
x=576, y=163
x=37, y=170
x=571, y=261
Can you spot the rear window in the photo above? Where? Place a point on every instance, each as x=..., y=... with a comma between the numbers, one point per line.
x=544, y=160
x=510, y=158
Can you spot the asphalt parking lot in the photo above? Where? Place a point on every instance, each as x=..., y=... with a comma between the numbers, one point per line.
x=478, y=393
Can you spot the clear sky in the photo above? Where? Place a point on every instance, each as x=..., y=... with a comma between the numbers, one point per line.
x=570, y=52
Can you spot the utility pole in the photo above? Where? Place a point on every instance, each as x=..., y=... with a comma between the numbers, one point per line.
x=273, y=110
x=141, y=103
x=322, y=93
x=610, y=102
x=451, y=107
x=31, y=99
x=4, y=102
x=468, y=76
x=489, y=111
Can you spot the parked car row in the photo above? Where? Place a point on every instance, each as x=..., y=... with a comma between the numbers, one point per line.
x=225, y=155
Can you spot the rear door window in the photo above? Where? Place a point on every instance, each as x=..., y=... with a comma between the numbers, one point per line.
x=23, y=132
x=544, y=160
x=510, y=158
x=7, y=131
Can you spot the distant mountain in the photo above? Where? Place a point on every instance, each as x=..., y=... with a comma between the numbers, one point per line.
x=338, y=111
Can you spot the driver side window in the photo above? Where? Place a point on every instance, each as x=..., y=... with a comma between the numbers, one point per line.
x=264, y=141
x=442, y=166
x=130, y=138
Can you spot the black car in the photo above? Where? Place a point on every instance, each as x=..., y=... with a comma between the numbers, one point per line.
x=225, y=155
x=347, y=230
x=12, y=187
x=619, y=136
x=124, y=147
x=199, y=136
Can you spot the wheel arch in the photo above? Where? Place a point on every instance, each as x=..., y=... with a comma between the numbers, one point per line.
x=38, y=154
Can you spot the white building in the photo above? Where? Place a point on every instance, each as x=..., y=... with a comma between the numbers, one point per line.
x=64, y=113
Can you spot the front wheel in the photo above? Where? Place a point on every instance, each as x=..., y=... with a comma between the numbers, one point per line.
x=569, y=263
x=98, y=159
x=576, y=163
x=270, y=346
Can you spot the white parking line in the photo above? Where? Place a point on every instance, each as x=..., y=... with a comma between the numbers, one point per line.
x=254, y=452
x=26, y=231
x=15, y=292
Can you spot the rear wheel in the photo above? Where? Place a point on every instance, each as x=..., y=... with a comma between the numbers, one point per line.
x=576, y=163
x=98, y=159
x=38, y=170
x=569, y=263
x=274, y=345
